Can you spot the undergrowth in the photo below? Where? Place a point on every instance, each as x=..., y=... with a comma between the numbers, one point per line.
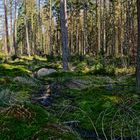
x=90, y=94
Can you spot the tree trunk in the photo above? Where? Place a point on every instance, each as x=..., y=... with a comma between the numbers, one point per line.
x=27, y=37
x=33, y=34
x=86, y=47
x=11, y=27
x=14, y=29
x=50, y=30
x=138, y=49
x=27, y=32
x=6, y=28
x=64, y=33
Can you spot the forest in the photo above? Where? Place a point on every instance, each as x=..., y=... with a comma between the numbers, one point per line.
x=69, y=69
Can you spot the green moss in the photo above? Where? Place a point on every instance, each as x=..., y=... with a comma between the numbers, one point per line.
x=10, y=70
x=92, y=105
x=95, y=105
x=23, y=128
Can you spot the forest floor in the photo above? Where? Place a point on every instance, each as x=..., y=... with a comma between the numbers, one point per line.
x=66, y=105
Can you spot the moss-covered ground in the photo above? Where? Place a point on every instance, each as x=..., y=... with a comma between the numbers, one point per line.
x=105, y=104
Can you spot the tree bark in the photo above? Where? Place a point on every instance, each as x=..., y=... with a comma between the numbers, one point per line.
x=27, y=31
x=14, y=29
x=6, y=28
x=11, y=27
x=64, y=33
x=50, y=30
x=27, y=37
x=138, y=49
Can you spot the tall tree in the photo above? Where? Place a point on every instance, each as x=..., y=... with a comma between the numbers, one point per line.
x=50, y=28
x=15, y=28
x=6, y=28
x=27, y=30
x=64, y=33
x=138, y=48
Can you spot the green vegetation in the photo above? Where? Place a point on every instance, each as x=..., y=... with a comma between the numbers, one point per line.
x=69, y=69
x=105, y=103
